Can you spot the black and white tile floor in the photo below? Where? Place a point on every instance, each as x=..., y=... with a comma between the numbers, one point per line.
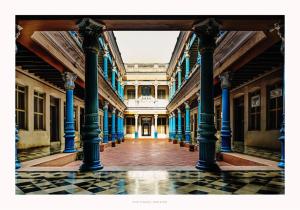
x=150, y=182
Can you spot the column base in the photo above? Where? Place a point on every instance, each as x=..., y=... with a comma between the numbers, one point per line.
x=281, y=164
x=225, y=149
x=18, y=164
x=91, y=167
x=105, y=138
x=203, y=166
x=69, y=151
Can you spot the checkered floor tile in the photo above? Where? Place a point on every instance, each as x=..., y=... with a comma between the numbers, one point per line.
x=150, y=182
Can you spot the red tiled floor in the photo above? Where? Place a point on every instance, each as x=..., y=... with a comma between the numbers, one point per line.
x=148, y=152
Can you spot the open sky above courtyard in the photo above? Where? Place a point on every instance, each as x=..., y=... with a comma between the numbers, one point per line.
x=146, y=46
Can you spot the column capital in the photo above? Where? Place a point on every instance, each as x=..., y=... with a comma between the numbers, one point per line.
x=119, y=114
x=90, y=30
x=105, y=105
x=136, y=116
x=106, y=53
x=178, y=69
x=18, y=30
x=136, y=83
x=207, y=31
x=114, y=66
x=225, y=79
x=113, y=110
x=186, y=51
x=178, y=110
x=69, y=79
x=187, y=106
x=198, y=97
x=156, y=115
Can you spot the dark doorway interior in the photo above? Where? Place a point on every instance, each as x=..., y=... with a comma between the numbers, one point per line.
x=146, y=126
x=54, y=119
x=238, y=114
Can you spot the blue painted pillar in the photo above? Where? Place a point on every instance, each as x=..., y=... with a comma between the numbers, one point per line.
x=155, y=126
x=105, y=122
x=69, y=79
x=119, y=87
x=199, y=58
x=225, y=130
x=207, y=32
x=90, y=31
x=281, y=163
x=119, y=131
x=179, y=76
x=179, y=131
x=113, y=76
x=187, y=64
x=174, y=86
x=187, y=124
x=174, y=127
x=170, y=126
x=122, y=92
x=122, y=127
x=199, y=110
x=17, y=162
x=136, y=134
x=113, y=125
x=105, y=64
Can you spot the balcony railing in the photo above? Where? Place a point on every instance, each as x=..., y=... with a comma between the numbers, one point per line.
x=145, y=102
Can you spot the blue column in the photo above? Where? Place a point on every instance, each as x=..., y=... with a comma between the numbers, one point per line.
x=179, y=76
x=179, y=131
x=69, y=79
x=113, y=125
x=187, y=124
x=174, y=86
x=119, y=128
x=207, y=32
x=119, y=87
x=155, y=126
x=281, y=163
x=174, y=126
x=105, y=122
x=90, y=31
x=113, y=77
x=225, y=130
x=122, y=92
x=187, y=64
x=136, y=134
x=199, y=110
x=122, y=127
x=170, y=126
x=199, y=58
x=17, y=162
x=105, y=64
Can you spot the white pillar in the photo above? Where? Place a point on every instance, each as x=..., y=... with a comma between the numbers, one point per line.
x=136, y=91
